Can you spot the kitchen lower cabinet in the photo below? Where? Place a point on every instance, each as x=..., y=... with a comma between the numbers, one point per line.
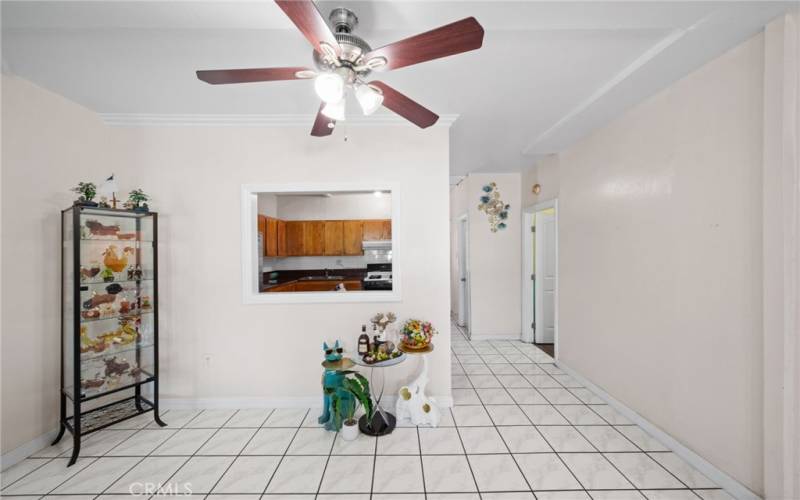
x=286, y=287
x=316, y=286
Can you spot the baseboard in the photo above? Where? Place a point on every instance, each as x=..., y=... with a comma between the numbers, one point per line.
x=22, y=452
x=388, y=402
x=732, y=486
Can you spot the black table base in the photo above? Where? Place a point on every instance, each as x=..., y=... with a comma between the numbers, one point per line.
x=379, y=427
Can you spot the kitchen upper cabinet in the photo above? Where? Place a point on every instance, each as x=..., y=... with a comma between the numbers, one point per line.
x=295, y=231
x=313, y=237
x=271, y=237
x=281, y=238
x=334, y=237
x=353, y=236
x=373, y=230
x=316, y=237
x=379, y=229
x=262, y=229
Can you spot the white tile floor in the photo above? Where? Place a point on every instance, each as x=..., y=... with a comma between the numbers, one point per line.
x=520, y=429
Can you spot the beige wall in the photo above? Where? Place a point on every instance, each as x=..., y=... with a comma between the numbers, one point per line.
x=660, y=260
x=545, y=173
x=781, y=271
x=495, y=260
x=259, y=353
x=48, y=145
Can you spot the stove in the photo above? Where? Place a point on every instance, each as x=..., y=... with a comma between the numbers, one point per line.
x=379, y=277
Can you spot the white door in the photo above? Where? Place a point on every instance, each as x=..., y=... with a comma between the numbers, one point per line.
x=463, y=276
x=545, y=278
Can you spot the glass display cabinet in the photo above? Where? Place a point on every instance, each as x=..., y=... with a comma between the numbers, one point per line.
x=109, y=319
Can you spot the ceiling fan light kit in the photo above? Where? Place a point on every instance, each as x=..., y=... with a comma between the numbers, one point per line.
x=344, y=61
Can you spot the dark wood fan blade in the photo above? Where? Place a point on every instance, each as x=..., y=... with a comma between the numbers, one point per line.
x=309, y=21
x=455, y=38
x=219, y=76
x=405, y=107
x=321, y=126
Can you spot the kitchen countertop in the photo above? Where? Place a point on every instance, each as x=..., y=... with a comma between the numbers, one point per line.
x=289, y=276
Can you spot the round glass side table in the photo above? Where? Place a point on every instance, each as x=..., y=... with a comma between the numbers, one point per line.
x=383, y=422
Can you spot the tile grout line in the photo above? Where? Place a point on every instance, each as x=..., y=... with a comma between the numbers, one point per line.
x=95, y=460
x=461, y=440
x=288, y=445
x=570, y=424
x=239, y=454
x=194, y=454
x=421, y=463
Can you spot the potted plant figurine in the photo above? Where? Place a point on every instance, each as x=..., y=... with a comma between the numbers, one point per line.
x=344, y=408
x=86, y=192
x=137, y=201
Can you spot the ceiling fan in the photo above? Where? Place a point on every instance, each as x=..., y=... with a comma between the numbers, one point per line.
x=343, y=61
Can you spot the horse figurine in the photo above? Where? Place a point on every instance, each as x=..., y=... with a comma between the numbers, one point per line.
x=332, y=383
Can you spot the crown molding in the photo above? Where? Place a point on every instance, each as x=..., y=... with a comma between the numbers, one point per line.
x=252, y=120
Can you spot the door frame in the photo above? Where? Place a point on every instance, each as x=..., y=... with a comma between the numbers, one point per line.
x=463, y=236
x=528, y=214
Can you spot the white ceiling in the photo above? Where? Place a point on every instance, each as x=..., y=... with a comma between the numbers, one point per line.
x=547, y=74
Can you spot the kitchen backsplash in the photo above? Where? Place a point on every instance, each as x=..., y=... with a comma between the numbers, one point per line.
x=332, y=262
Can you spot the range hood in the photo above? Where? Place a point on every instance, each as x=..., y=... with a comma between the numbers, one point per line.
x=376, y=244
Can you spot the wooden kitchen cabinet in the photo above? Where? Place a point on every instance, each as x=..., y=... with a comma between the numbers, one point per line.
x=377, y=229
x=286, y=287
x=373, y=230
x=334, y=237
x=271, y=237
x=313, y=237
x=295, y=236
x=262, y=229
x=315, y=286
x=281, y=238
x=352, y=238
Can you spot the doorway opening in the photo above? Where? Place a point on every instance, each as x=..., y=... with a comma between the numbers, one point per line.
x=540, y=276
x=462, y=256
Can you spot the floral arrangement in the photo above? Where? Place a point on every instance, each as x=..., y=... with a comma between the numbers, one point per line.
x=381, y=321
x=494, y=207
x=417, y=334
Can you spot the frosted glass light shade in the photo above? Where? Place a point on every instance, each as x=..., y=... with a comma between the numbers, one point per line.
x=334, y=110
x=329, y=87
x=369, y=99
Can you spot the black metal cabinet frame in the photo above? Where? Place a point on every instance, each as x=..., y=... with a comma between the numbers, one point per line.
x=82, y=422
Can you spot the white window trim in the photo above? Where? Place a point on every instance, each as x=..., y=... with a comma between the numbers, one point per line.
x=249, y=250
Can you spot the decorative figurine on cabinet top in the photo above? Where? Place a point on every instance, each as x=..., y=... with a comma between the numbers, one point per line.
x=333, y=386
x=86, y=192
x=137, y=201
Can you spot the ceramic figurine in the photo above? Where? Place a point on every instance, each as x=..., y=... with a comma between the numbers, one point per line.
x=332, y=382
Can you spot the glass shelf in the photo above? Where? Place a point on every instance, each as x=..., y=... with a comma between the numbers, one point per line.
x=132, y=315
x=121, y=282
x=111, y=351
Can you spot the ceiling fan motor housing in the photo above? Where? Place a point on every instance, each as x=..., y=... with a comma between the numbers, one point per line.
x=353, y=47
